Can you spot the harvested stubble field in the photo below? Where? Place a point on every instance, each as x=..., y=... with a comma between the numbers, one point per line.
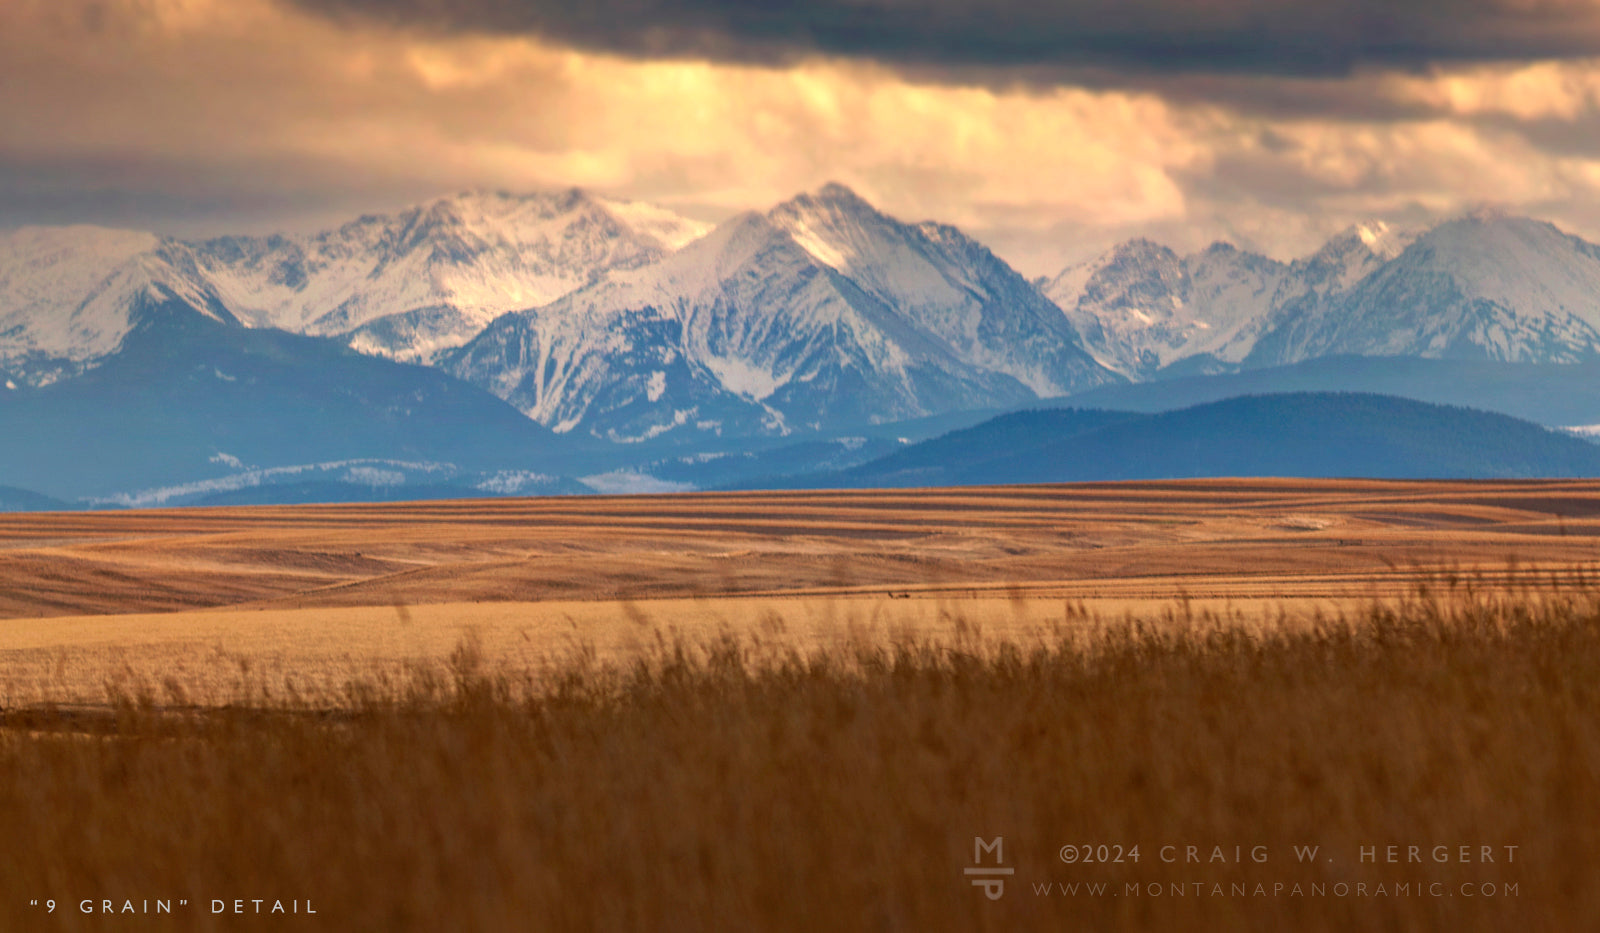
x=798, y=711
x=320, y=593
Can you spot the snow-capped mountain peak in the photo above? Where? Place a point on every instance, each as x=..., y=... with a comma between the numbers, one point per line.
x=1360, y=248
x=1485, y=285
x=834, y=198
x=416, y=283
x=820, y=310
x=1140, y=306
x=406, y=285
x=625, y=321
x=1384, y=240
x=833, y=224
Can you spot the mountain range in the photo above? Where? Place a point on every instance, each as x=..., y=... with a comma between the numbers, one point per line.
x=820, y=312
x=1485, y=286
x=559, y=335
x=404, y=286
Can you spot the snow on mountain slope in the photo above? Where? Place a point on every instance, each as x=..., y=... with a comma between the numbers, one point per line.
x=1344, y=261
x=55, y=286
x=1485, y=286
x=404, y=286
x=1313, y=286
x=615, y=353
x=821, y=311
x=1142, y=307
x=627, y=322
x=69, y=295
x=410, y=285
x=945, y=285
x=670, y=230
x=1233, y=291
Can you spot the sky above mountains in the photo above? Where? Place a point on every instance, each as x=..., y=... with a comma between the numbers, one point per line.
x=1048, y=130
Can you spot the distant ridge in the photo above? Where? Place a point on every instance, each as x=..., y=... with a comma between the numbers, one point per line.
x=1551, y=394
x=13, y=499
x=1309, y=434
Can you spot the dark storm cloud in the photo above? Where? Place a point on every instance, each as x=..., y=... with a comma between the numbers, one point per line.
x=1278, y=37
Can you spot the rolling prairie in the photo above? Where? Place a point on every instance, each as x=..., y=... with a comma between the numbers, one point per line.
x=804, y=711
x=318, y=592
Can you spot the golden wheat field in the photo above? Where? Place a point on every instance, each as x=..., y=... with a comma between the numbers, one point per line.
x=1273, y=705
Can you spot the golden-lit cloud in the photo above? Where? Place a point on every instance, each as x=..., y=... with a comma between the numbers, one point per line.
x=1548, y=90
x=247, y=84
x=212, y=114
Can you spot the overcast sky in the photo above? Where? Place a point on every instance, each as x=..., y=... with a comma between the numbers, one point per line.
x=1046, y=129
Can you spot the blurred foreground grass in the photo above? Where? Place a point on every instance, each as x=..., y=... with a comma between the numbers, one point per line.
x=739, y=785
